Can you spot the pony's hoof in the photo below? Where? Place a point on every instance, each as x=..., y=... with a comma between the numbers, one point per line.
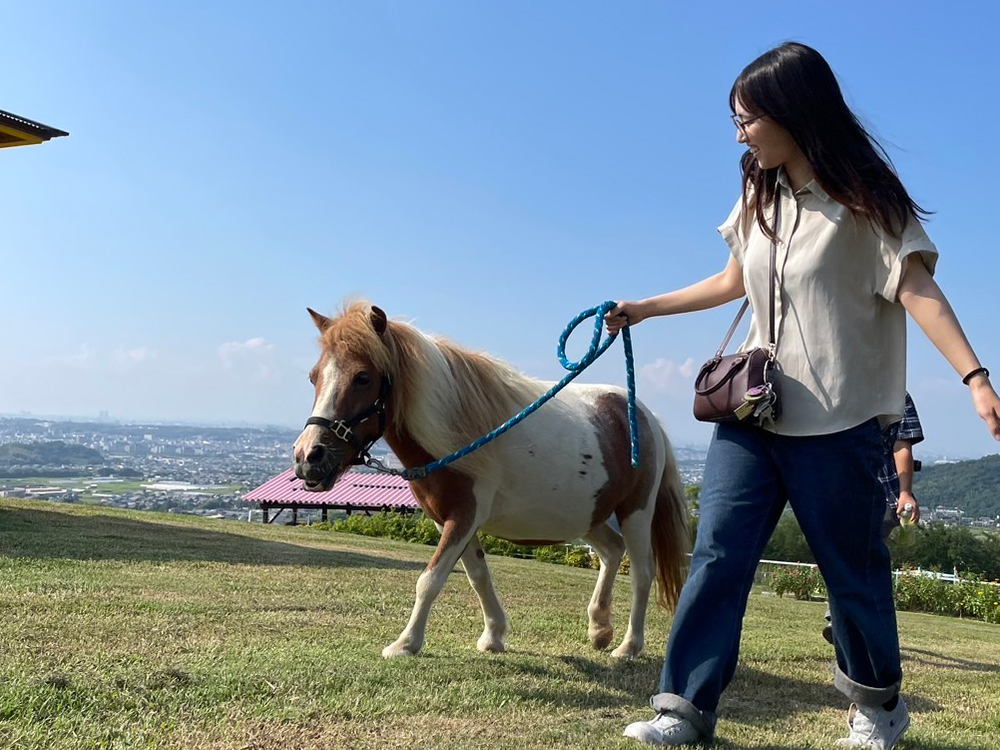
x=601, y=637
x=489, y=644
x=399, y=649
x=628, y=650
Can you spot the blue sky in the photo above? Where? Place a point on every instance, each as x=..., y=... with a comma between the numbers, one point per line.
x=486, y=170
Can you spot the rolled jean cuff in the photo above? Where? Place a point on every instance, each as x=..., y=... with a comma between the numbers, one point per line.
x=863, y=694
x=703, y=721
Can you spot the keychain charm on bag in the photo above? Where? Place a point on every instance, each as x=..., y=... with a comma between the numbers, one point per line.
x=758, y=400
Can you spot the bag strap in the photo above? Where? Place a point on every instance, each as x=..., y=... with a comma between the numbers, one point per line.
x=772, y=273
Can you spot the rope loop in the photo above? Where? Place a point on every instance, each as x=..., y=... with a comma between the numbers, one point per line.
x=596, y=347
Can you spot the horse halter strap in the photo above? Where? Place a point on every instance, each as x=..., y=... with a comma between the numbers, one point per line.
x=342, y=428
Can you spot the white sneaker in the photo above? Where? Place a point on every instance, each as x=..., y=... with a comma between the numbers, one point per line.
x=665, y=730
x=874, y=727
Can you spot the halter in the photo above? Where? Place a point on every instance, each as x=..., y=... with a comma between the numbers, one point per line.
x=342, y=428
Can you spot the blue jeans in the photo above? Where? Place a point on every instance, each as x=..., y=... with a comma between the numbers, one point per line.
x=831, y=483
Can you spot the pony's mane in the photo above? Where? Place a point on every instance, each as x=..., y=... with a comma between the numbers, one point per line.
x=444, y=395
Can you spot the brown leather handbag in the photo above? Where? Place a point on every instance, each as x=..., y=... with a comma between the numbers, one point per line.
x=741, y=387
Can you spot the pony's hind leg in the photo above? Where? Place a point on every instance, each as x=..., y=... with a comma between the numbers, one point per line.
x=610, y=549
x=494, y=617
x=636, y=529
x=429, y=584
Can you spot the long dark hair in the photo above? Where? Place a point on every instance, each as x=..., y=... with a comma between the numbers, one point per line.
x=795, y=87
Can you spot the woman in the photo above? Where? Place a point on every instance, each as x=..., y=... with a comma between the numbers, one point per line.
x=852, y=259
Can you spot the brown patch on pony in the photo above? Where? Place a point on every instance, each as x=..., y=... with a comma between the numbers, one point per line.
x=445, y=496
x=627, y=489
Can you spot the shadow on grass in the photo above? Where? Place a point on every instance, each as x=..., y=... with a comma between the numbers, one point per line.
x=630, y=682
x=38, y=534
x=907, y=742
x=934, y=659
x=754, y=698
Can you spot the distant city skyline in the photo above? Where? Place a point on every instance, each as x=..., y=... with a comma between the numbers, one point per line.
x=686, y=450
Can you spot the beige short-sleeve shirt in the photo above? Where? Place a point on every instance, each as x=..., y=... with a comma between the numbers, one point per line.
x=841, y=332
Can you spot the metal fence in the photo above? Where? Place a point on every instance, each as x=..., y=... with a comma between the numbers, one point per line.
x=766, y=567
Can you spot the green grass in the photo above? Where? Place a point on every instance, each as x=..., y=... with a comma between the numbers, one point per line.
x=143, y=630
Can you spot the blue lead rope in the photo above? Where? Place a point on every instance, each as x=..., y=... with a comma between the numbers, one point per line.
x=597, y=348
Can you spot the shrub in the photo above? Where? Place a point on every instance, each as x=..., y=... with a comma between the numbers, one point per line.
x=802, y=583
x=495, y=546
x=552, y=554
x=400, y=526
x=968, y=597
x=626, y=566
x=578, y=557
x=420, y=529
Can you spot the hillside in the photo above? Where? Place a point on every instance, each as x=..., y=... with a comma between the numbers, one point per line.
x=143, y=630
x=972, y=486
x=50, y=453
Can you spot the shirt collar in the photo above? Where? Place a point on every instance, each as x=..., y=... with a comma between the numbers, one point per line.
x=812, y=186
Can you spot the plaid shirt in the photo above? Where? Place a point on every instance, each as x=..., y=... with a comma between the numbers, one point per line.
x=907, y=429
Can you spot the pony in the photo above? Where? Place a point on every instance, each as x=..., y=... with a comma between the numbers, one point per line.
x=559, y=476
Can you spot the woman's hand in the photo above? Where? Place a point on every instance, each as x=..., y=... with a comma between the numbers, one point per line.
x=624, y=313
x=987, y=403
x=907, y=503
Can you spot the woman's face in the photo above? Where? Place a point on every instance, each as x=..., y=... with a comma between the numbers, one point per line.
x=771, y=144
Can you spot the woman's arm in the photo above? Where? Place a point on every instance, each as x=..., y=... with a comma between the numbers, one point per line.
x=716, y=290
x=926, y=303
x=902, y=454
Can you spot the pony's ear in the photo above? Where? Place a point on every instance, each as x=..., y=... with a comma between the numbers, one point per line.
x=322, y=322
x=379, y=321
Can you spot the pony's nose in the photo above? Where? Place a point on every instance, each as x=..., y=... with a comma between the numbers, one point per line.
x=316, y=454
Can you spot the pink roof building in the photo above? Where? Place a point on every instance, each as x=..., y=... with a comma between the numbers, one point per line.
x=354, y=491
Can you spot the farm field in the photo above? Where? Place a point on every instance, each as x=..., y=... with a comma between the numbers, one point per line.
x=94, y=489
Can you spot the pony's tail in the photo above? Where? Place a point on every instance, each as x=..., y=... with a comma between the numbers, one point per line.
x=670, y=533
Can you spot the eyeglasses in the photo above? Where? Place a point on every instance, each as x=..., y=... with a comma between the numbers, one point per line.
x=742, y=124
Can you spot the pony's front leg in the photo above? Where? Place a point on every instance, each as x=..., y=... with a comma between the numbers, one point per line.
x=496, y=625
x=429, y=584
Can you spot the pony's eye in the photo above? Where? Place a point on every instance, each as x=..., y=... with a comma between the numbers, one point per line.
x=362, y=378
x=312, y=378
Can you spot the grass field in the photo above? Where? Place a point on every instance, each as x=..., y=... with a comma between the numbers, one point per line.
x=143, y=630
